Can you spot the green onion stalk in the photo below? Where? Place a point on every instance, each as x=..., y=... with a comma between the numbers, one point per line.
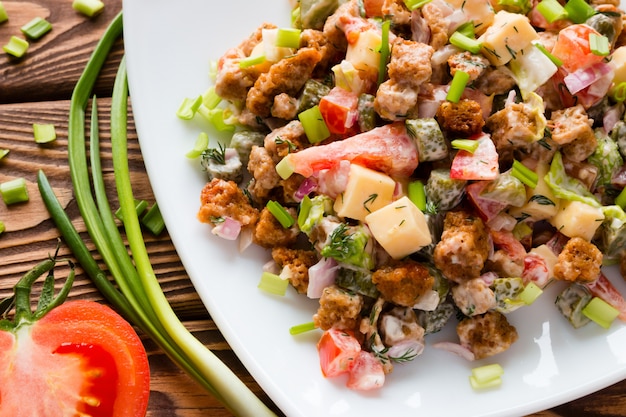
x=136, y=292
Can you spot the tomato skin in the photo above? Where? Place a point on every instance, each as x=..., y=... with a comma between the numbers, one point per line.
x=339, y=110
x=480, y=165
x=337, y=350
x=80, y=356
x=367, y=373
x=572, y=47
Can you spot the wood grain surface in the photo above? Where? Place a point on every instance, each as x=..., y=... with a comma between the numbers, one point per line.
x=37, y=89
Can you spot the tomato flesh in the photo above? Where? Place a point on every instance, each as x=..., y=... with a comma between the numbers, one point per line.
x=481, y=165
x=82, y=358
x=339, y=110
x=338, y=349
x=572, y=47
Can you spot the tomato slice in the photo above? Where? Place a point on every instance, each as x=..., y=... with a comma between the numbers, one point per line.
x=81, y=358
x=480, y=165
x=367, y=373
x=339, y=110
x=572, y=47
x=337, y=350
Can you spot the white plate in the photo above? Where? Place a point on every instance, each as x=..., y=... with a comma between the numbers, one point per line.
x=169, y=46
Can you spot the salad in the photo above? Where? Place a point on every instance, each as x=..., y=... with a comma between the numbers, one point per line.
x=415, y=165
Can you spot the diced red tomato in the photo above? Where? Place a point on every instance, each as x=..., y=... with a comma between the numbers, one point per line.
x=367, y=373
x=487, y=209
x=339, y=110
x=338, y=350
x=352, y=26
x=388, y=149
x=506, y=241
x=536, y=270
x=587, y=96
x=81, y=358
x=602, y=288
x=572, y=47
x=373, y=8
x=480, y=165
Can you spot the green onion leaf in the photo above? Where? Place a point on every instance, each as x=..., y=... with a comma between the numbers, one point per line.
x=314, y=125
x=469, y=145
x=305, y=209
x=189, y=107
x=273, y=284
x=464, y=42
x=201, y=145
x=210, y=99
x=44, y=133
x=89, y=8
x=288, y=38
x=457, y=86
x=417, y=194
x=281, y=214
x=251, y=61
x=600, y=312
x=556, y=61
x=620, y=200
x=415, y=4
x=530, y=293
x=140, y=207
x=14, y=191
x=3, y=153
x=599, y=44
x=384, y=51
x=578, y=11
x=153, y=221
x=16, y=47
x=302, y=328
x=36, y=28
x=551, y=10
x=3, y=14
x=524, y=174
x=2, y=227
x=467, y=29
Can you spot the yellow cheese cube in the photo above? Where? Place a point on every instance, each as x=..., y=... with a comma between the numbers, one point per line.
x=363, y=54
x=366, y=191
x=541, y=203
x=577, y=219
x=479, y=12
x=506, y=37
x=618, y=63
x=400, y=228
x=548, y=255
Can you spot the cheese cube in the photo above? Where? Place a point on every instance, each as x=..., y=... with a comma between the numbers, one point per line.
x=366, y=191
x=548, y=255
x=541, y=203
x=400, y=228
x=363, y=54
x=618, y=63
x=577, y=219
x=506, y=37
x=479, y=12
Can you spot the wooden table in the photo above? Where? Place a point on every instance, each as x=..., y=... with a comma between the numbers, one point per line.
x=37, y=89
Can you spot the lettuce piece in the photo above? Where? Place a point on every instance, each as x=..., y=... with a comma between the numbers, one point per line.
x=612, y=238
x=606, y=157
x=506, y=189
x=312, y=211
x=352, y=245
x=565, y=187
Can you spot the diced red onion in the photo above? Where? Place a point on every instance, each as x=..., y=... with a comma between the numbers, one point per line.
x=420, y=31
x=245, y=238
x=456, y=19
x=271, y=266
x=407, y=348
x=612, y=116
x=455, y=348
x=488, y=277
x=502, y=221
x=584, y=77
x=428, y=301
x=321, y=275
x=228, y=229
x=308, y=185
x=619, y=178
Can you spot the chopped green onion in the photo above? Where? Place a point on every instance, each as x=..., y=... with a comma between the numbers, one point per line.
x=16, y=47
x=384, y=51
x=305, y=209
x=415, y=4
x=620, y=200
x=36, y=28
x=201, y=145
x=153, y=221
x=469, y=145
x=556, y=61
x=273, y=284
x=599, y=44
x=281, y=214
x=213, y=69
x=89, y=8
x=285, y=168
x=314, y=125
x=44, y=133
x=3, y=14
x=14, y=191
x=302, y=328
x=524, y=174
x=217, y=118
x=551, y=10
x=417, y=194
x=619, y=92
x=600, y=312
x=467, y=29
x=457, y=86
x=3, y=228
x=140, y=207
x=251, y=61
x=210, y=99
x=578, y=11
x=295, y=15
x=288, y=38
x=530, y=293
x=466, y=43
x=3, y=153
x=487, y=376
x=189, y=107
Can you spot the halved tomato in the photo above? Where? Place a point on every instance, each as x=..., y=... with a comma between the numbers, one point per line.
x=573, y=49
x=81, y=358
x=338, y=350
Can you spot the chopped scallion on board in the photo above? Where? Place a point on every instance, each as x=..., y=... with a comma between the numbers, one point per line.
x=153, y=221
x=16, y=47
x=36, y=28
x=3, y=14
x=3, y=153
x=44, y=133
x=89, y=8
x=2, y=227
x=14, y=191
x=140, y=207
